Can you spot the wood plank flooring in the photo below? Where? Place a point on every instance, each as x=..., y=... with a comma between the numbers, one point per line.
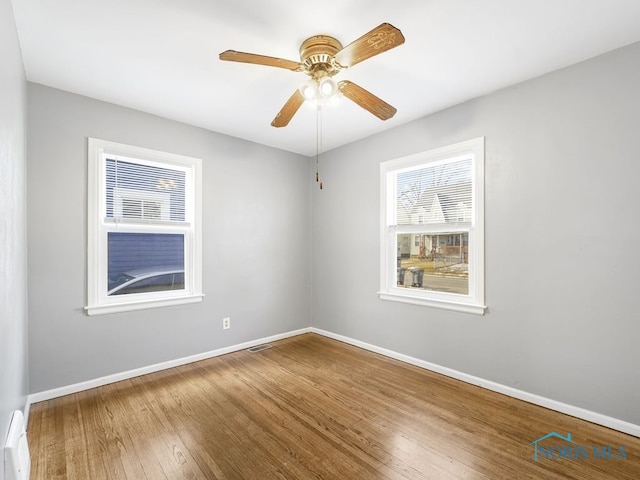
x=308, y=408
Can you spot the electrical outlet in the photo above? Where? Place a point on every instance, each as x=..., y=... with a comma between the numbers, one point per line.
x=226, y=323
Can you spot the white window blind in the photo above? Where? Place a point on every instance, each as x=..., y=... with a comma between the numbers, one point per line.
x=434, y=194
x=138, y=191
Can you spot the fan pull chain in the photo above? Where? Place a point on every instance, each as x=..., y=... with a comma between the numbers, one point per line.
x=318, y=142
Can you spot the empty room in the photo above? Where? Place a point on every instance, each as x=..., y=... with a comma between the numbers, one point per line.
x=331, y=240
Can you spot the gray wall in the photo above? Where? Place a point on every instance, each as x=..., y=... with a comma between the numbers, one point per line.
x=256, y=241
x=562, y=237
x=13, y=253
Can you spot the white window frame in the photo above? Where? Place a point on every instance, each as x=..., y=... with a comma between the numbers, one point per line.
x=98, y=302
x=473, y=302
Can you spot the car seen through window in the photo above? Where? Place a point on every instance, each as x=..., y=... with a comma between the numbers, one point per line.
x=147, y=280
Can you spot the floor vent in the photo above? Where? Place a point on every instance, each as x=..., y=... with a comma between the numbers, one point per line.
x=258, y=348
x=16, y=450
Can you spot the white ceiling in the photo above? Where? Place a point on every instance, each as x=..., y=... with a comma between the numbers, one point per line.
x=161, y=56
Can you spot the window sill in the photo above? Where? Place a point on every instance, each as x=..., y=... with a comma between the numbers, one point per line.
x=428, y=302
x=141, y=304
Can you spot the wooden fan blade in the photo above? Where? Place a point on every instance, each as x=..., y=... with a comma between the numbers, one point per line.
x=382, y=38
x=289, y=109
x=233, y=56
x=367, y=100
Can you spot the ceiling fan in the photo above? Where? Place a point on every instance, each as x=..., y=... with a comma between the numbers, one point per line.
x=322, y=57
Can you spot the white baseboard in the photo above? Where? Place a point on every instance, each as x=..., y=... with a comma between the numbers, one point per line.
x=567, y=409
x=116, y=377
x=574, y=411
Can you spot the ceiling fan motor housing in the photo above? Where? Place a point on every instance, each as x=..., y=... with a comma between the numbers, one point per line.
x=317, y=56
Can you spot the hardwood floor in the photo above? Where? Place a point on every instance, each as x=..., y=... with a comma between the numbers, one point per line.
x=310, y=408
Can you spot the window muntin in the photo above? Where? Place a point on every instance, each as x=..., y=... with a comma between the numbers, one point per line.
x=144, y=228
x=432, y=238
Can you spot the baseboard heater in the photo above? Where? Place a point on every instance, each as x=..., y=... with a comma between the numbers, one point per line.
x=16, y=451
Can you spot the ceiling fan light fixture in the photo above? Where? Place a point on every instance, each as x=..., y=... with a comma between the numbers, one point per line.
x=309, y=89
x=327, y=87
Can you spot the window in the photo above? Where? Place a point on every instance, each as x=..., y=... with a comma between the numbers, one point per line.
x=144, y=240
x=435, y=198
